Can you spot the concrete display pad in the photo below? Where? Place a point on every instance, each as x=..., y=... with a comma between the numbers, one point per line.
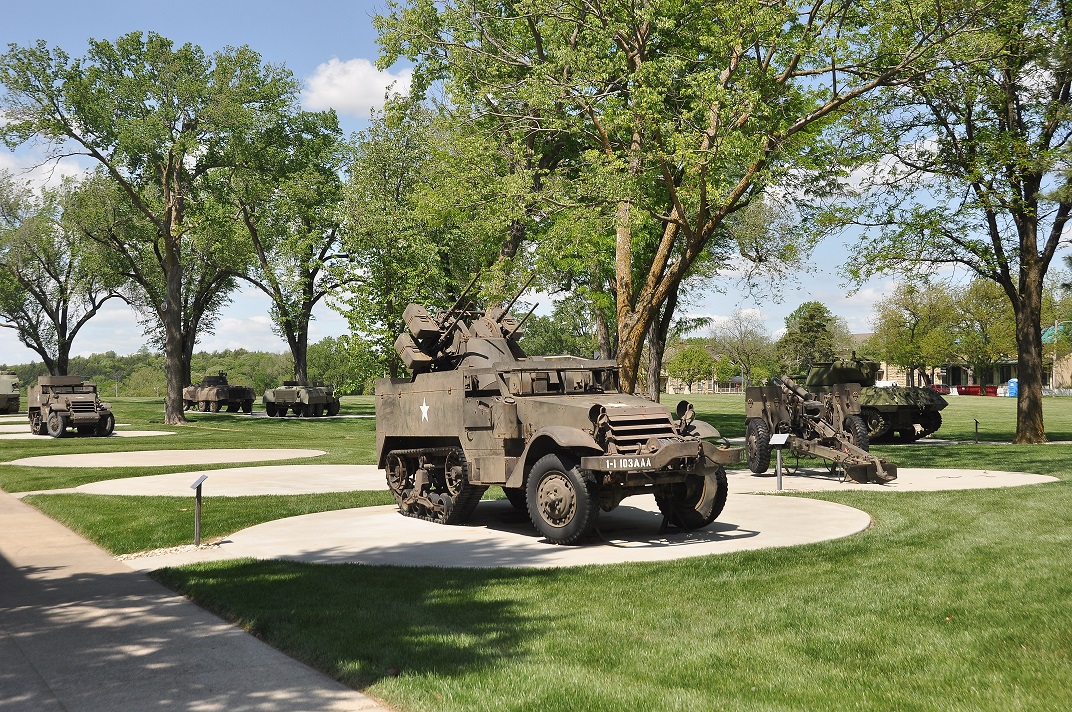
x=243, y=482
x=909, y=479
x=153, y=458
x=498, y=535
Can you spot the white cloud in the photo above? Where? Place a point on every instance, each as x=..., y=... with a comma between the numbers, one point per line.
x=352, y=87
x=32, y=167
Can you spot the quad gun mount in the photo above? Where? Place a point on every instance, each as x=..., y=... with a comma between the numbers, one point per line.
x=826, y=425
x=556, y=433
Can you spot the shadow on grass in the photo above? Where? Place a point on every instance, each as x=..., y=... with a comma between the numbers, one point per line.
x=368, y=623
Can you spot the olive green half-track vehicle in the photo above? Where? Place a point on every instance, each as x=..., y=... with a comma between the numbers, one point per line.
x=214, y=394
x=556, y=433
x=305, y=400
x=892, y=413
x=9, y=392
x=57, y=403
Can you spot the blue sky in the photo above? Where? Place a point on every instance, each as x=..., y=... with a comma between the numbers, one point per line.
x=330, y=46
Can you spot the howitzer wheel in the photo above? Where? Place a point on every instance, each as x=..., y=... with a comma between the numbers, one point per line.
x=857, y=430
x=562, y=503
x=694, y=503
x=757, y=445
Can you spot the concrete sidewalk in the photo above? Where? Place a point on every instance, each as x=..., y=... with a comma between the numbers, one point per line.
x=80, y=631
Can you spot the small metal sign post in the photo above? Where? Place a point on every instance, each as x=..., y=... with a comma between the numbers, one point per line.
x=976, y=430
x=778, y=441
x=197, y=509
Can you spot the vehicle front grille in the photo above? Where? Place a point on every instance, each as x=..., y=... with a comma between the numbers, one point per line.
x=83, y=407
x=627, y=433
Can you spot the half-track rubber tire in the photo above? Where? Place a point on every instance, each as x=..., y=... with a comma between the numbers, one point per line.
x=105, y=425
x=56, y=425
x=562, y=503
x=757, y=445
x=857, y=429
x=696, y=502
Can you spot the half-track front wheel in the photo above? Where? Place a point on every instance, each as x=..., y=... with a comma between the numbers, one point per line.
x=696, y=502
x=562, y=503
x=105, y=425
x=857, y=430
x=56, y=425
x=757, y=445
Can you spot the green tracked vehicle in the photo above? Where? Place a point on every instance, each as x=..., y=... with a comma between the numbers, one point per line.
x=556, y=433
x=892, y=413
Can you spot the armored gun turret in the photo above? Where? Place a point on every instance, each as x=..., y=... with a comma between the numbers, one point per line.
x=556, y=433
x=892, y=413
x=827, y=425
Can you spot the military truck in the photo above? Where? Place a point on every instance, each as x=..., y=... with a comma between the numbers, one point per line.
x=892, y=413
x=57, y=403
x=214, y=394
x=558, y=434
x=9, y=392
x=305, y=400
x=827, y=425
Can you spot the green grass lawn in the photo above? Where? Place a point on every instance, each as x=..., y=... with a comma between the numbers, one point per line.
x=952, y=600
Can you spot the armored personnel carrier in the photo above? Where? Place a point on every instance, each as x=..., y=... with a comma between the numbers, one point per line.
x=892, y=413
x=214, y=394
x=59, y=402
x=9, y=392
x=556, y=433
x=307, y=400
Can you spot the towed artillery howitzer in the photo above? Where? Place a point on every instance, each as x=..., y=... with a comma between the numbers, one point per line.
x=898, y=413
x=556, y=433
x=826, y=425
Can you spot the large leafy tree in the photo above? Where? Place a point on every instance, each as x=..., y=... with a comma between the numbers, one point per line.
x=917, y=327
x=52, y=279
x=812, y=334
x=288, y=194
x=158, y=119
x=974, y=171
x=666, y=116
x=744, y=340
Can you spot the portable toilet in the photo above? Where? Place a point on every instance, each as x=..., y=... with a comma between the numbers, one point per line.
x=1014, y=387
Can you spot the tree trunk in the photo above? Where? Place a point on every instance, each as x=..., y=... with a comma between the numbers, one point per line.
x=603, y=335
x=299, y=350
x=173, y=341
x=1030, y=427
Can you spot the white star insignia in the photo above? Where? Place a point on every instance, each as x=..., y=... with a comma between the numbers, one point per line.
x=424, y=410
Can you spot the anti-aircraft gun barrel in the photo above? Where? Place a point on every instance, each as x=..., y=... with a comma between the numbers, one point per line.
x=449, y=321
x=508, y=307
x=522, y=322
